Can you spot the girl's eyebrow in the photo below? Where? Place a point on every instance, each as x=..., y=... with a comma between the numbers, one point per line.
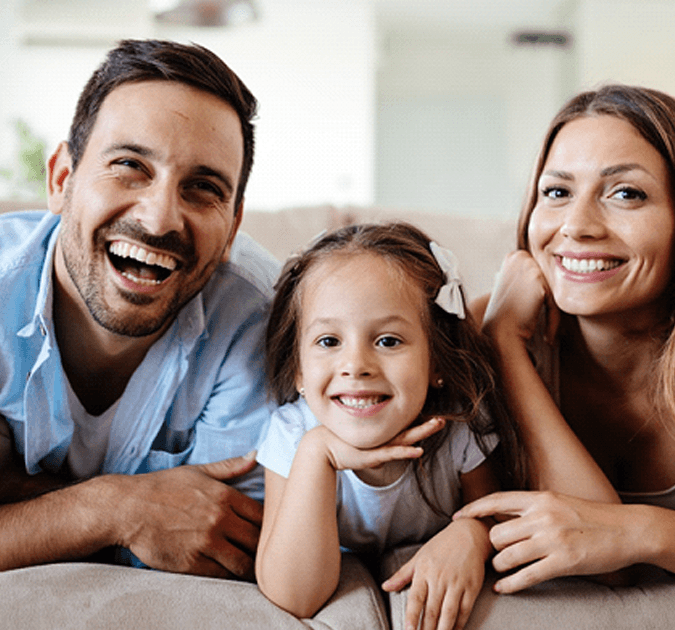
x=383, y=321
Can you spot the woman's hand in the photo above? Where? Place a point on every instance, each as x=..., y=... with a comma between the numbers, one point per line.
x=552, y=535
x=517, y=299
x=447, y=574
x=344, y=456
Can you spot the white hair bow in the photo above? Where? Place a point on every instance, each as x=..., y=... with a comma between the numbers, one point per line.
x=449, y=296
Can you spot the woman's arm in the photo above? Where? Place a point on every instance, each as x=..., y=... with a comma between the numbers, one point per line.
x=557, y=460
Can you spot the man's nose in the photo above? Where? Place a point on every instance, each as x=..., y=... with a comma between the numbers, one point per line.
x=160, y=210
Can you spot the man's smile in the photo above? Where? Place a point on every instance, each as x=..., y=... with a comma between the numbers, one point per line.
x=139, y=265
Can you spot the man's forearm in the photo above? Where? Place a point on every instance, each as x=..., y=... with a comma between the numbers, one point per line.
x=66, y=524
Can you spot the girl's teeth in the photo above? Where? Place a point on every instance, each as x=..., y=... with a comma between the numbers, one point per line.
x=588, y=265
x=359, y=403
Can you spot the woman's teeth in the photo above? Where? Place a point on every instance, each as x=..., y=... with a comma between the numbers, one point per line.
x=588, y=265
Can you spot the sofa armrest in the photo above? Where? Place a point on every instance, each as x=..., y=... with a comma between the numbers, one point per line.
x=78, y=596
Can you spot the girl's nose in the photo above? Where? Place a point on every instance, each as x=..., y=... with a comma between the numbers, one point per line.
x=357, y=363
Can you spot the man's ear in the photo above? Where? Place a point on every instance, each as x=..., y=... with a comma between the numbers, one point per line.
x=236, y=224
x=59, y=169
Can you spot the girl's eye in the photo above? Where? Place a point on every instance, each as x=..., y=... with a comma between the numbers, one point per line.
x=388, y=342
x=328, y=342
x=555, y=192
x=628, y=193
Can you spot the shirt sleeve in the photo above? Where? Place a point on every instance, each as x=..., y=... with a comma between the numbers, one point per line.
x=466, y=453
x=287, y=426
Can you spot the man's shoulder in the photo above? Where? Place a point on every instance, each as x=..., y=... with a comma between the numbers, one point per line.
x=251, y=263
x=24, y=237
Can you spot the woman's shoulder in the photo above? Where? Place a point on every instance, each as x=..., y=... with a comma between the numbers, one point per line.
x=478, y=307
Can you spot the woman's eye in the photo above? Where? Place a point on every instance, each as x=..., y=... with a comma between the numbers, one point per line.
x=328, y=342
x=555, y=192
x=628, y=193
x=388, y=342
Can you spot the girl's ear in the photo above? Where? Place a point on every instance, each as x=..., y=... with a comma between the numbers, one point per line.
x=59, y=170
x=298, y=385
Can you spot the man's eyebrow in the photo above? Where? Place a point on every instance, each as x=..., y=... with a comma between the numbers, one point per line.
x=203, y=170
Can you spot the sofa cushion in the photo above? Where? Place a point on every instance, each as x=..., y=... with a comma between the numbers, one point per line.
x=79, y=596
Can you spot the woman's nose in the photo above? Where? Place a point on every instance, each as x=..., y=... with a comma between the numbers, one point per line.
x=584, y=219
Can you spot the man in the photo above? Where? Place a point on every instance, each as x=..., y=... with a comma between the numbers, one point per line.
x=132, y=325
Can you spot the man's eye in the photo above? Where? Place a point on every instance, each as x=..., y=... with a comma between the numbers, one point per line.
x=388, y=342
x=208, y=187
x=328, y=342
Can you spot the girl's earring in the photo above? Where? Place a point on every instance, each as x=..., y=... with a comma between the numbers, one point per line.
x=439, y=383
x=301, y=391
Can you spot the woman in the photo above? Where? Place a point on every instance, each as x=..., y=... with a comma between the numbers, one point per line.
x=583, y=320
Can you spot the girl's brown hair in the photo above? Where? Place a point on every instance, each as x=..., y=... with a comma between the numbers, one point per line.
x=652, y=114
x=460, y=355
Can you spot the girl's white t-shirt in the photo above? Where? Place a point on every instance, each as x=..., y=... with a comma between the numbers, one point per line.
x=375, y=518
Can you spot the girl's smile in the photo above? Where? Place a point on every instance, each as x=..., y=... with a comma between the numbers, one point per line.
x=365, y=371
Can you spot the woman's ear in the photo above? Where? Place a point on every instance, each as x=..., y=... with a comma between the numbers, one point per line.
x=59, y=169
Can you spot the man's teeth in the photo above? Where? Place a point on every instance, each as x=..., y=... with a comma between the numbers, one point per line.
x=588, y=265
x=360, y=402
x=127, y=250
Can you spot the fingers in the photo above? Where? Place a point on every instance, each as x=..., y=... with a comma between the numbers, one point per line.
x=528, y=576
x=229, y=468
x=233, y=562
x=400, y=579
x=440, y=609
x=420, y=432
x=504, y=503
x=245, y=507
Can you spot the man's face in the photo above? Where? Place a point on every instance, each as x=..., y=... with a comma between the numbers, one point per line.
x=149, y=213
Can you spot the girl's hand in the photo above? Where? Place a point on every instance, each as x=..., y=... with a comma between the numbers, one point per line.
x=447, y=574
x=517, y=299
x=344, y=456
x=552, y=535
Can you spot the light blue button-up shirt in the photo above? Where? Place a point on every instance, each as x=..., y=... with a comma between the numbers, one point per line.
x=199, y=394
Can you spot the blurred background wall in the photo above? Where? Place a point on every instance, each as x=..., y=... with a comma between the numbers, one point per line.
x=434, y=105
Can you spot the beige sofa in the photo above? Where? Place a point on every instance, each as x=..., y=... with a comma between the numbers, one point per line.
x=91, y=596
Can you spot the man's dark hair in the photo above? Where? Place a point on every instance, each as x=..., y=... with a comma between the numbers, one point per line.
x=133, y=61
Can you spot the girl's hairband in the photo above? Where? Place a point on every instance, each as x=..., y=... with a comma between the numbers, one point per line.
x=449, y=296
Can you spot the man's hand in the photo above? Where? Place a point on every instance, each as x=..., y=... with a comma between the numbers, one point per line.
x=187, y=520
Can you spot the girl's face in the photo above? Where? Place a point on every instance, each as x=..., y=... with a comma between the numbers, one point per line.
x=364, y=353
x=602, y=228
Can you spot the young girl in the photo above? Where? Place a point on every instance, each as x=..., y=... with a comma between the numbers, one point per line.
x=369, y=328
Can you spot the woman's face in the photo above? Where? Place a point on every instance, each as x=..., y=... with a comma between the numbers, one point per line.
x=602, y=228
